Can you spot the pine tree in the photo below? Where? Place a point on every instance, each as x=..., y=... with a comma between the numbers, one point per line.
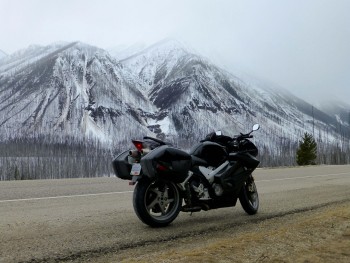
x=307, y=151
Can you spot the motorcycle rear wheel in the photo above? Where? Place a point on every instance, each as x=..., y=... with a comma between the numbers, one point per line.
x=156, y=203
x=249, y=197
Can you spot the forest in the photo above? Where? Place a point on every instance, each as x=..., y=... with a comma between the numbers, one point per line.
x=41, y=158
x=56, y=158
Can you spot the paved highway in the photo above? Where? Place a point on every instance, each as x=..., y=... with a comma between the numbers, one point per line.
x=83, y=218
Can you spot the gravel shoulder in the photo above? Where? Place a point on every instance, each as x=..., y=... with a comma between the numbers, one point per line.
x=318, y=235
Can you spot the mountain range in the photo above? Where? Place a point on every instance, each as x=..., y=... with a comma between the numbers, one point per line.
x=165, y=90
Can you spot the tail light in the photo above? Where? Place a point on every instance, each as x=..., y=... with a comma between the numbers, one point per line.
x=138, y=145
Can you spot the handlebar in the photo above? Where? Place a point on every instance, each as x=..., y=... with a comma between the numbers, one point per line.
x=243, y=136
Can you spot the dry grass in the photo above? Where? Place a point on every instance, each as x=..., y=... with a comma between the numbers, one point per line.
x=322, y=235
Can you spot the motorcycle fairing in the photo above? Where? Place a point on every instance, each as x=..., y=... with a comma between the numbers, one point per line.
x=213, y=153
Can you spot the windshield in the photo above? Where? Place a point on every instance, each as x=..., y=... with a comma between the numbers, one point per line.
x=230, y=130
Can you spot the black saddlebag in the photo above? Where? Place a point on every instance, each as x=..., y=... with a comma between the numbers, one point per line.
x=121, y=166
x=168, y=163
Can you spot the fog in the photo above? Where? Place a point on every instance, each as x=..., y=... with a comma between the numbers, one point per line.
x=300, y=45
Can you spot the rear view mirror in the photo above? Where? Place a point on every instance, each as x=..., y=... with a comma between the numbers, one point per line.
x=218, y=133
x=256, y=127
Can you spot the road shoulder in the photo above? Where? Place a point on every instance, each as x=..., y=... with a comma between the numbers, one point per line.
x=318, y=235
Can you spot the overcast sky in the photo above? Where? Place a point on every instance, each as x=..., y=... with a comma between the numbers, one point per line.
x=301, y=45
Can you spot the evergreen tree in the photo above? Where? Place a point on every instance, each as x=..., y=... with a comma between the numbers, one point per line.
x=307, y=151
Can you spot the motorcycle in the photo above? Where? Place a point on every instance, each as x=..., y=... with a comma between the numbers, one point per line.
x=215, y=173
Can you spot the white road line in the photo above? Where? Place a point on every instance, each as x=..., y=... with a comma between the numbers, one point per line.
x=301, y=177
x=125, y=192
x=62, y=196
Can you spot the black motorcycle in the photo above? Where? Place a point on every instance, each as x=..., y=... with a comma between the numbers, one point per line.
x=214, y=174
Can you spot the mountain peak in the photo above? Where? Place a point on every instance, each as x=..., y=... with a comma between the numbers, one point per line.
x=121, y=52
x=164, y=48
x=170, y=43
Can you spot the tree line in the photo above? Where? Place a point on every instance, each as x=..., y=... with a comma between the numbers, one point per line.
x=46, y=157
x=41, y=158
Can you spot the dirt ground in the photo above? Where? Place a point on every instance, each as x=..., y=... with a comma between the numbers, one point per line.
x=319, y=235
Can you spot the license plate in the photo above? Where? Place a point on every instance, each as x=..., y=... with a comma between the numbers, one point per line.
x=136, y=169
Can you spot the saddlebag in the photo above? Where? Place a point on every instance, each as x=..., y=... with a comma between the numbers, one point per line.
x=167, y=163
x=121, y=166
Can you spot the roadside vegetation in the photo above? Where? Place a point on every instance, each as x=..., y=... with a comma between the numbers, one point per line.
x=307, y=151
x=40, y=158
x=320, y=235
x=56, y=158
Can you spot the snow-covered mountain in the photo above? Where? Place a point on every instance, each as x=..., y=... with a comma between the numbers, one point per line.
x=338, y=109
x=165, y=90
x=193, y=95
x=121, y=52
x=201, y=97
x=69, y=90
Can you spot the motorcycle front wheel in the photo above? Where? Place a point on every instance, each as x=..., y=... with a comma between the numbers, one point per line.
x=249, y=197
x=156, y=203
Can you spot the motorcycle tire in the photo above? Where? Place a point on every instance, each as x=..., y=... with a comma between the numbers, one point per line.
x=249, y=197
x=156, y=203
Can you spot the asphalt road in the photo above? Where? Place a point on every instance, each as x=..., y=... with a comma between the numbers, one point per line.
x=74, y=219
